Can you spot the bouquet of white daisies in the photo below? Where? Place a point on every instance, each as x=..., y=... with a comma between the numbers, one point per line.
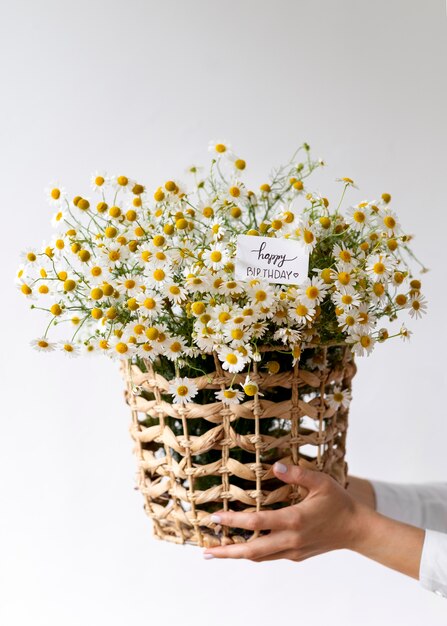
x=163, y=275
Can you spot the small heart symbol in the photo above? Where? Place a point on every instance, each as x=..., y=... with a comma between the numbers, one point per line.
x=295, y=275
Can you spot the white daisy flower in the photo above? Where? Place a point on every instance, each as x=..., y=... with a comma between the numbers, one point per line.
x=236, y=192
x=250, y=387
x=99, y=180
x=231, y=287
x=173, y=347
x=345, y=258
x=261, y=293
x=346, y=298
x=417, y=306
x=42, y=344
x=232, y=360
x=389, y=222
x=348, y=320
x=405, y=333
x=175, y=292
x=183, y=390
x=344, y=279
x=379, y=266
x=128, y=285
x=219, y=148
x=217, y=229
x=158, y=277
x=312, y=291
x=339, y=398
x=361, y=343
x=358, y=217
x=217, y=257
x=236, y=335
x=306, y=233
x=287, y=335
x=55, y=193
x=29, y=256
x=70, y=348
x=229, y=396
x=366, y=320
x=121, y=182
x=302, y=312
x=58, y=219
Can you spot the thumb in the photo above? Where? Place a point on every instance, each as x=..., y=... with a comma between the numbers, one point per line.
x=297, y=475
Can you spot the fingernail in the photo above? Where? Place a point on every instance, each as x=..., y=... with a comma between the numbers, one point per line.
x=280, y=468
x=215, y=518
x=207, y=555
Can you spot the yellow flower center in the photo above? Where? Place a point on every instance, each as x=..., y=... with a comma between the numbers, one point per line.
x=152, y=333
x=96, y=293
x=379, y=268
x=251, y=389
x=359, y=217
x=42, y=343
x=223, y=317
x=308, y=236
x=389, y=221
x=121, y=347
x=158, y=240
x=231, y=358
x=216, y=256
x=69, y=285
x=378, y=289
x=365, y=341
x=198, y=308
x=229, y=393
x=344, y=278
x=301, y=310
x=159, y=274
x=176, y=346
x=237, y=333
x=182, y=390
x=312, y=292
x=235, y=192
x=149, y=303
x=220, y=147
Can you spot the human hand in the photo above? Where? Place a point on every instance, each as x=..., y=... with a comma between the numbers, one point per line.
x=328, y=518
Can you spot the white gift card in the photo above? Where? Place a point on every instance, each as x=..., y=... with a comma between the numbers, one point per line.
x=276, y=260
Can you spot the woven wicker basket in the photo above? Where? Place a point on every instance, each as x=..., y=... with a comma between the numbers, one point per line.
x=234, y=453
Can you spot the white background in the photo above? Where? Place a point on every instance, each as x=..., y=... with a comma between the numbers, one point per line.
x=139, y=88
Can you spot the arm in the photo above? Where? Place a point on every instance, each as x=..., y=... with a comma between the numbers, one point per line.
x=329, y=518
x=422, y=505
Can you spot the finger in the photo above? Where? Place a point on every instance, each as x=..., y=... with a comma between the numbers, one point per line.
x=255, y=549
x=297, y=475
x=260, y=520
x=285, y=554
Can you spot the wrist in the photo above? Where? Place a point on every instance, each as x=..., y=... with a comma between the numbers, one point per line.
x=363, y=520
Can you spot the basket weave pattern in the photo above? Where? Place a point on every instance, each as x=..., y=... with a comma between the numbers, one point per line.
x=315, y=437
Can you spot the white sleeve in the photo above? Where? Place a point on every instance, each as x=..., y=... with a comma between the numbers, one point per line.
x=423, y=505
x=433, y=567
